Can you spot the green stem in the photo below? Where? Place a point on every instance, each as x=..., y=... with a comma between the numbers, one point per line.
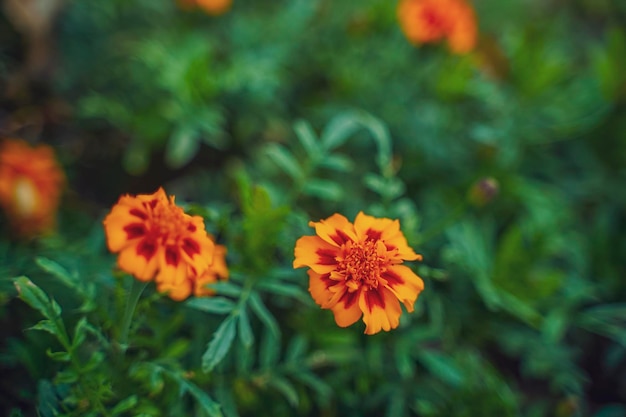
x=136, y=289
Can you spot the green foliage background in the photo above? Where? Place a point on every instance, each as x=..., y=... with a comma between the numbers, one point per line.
x=277, y=113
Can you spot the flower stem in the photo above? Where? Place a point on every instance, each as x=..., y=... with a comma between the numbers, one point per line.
x=136, y=289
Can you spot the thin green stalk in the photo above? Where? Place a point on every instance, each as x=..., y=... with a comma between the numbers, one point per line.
x=136, y=289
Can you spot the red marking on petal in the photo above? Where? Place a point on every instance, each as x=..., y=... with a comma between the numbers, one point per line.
x=191, y=227
x=327, y=257
x=327, y=281
x=373, y=234
x=340, y=238
x=138, y=213
x=392, y=278
x=349, y=298
x=146, y=248
x=374, y=298
x=191, y=247
x=134, y=230
x=172, y=256
x=152, y=203
x=390, y=247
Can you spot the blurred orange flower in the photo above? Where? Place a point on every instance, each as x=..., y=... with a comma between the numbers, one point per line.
x=157, y=240
x=425, y=21
x=212, y=7
x=218, y=271
x=355, y=270
x=30, y=186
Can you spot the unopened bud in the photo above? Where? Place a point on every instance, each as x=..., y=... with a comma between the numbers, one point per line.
x=483, y=191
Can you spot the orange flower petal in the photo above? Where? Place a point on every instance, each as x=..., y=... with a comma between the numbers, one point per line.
x=218, y=271
x=404, y=284
x=347, y=311
x=335, y=230
x=315, y=253
x=381, y=310
x=141, y=260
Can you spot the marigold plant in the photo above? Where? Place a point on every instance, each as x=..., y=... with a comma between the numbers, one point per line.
x=157, y=240
x=426, y=21
x=355, y=270
x=212, y=7
x=31, y=181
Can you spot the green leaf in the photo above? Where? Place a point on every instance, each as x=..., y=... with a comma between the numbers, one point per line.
x=36, y=298
x=285, y=160
x=46, y=326
x=321, y=388
x=125, y=405
x=66, y=377
x=286, y=388
x=263, y=314
x=288, y=290
x=219, y=305
x=441, y=366
x=56, y=270
x=219, y=345
x=308, y=139
x=338, y=131
x=324, y=189
x=245, y=330
x=336, y=162
x=58, y=356
x=182, y=146
x=226, y=288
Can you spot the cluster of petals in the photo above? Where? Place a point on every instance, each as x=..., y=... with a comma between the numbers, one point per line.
x=31, y=182
x=156, y=240
x=356, y=270
x=212, y=7
x=427, y=21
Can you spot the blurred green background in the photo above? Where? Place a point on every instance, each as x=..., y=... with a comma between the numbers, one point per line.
x=505, y=166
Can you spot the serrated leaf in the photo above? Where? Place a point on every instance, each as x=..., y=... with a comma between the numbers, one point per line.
x=36, y=298
x=285, y=160
x=219, y=345
x=263, y=314
x=219, y=305
x=245, y=330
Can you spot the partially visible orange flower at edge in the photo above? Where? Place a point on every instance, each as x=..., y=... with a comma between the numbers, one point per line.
x=356, y=270
x=156, y=240
x=426, y=21
x=31, y=181
x=212, y=7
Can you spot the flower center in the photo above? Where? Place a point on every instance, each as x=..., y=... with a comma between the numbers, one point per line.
x=169, y=222
x=362, y=264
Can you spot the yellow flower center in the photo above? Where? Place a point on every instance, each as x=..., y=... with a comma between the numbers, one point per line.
x=25, y=194
x=362, y=264
x=170, y=222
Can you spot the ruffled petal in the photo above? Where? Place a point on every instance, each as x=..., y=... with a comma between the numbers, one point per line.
x=141, y=259
x=335, y=230
x=381, y=310
x=316, y=253
x=404, y=284
x=347, y=310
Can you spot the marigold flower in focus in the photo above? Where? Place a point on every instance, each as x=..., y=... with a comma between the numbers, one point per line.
x=356, y=270
x=212, y=7
x=426, y=21
x=157, y=240
x=31, y=181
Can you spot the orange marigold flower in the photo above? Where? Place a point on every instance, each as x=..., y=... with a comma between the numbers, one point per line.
x=355, y=270
x=212, y=7
x=157, y=240
x=425, y=21
x=31, y=181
